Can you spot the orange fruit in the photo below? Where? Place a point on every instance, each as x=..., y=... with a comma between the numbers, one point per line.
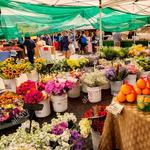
x=141, y=83
x=138, y=91
x=121, y=97
x=147, y=99
x=146, y=91
x=131, y=97
x=126, y=89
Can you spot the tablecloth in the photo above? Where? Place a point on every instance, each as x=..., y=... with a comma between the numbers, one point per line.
x=128, y=131
x=4, y=55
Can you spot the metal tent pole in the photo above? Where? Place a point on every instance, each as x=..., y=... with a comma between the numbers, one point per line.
x=101, y=34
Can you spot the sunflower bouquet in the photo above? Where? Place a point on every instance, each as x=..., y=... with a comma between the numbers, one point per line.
x=41, y=65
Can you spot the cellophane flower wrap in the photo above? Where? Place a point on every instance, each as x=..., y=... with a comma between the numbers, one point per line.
x=58, y=87
x=61, y=134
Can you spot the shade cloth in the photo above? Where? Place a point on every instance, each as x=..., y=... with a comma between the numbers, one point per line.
x=129, y=131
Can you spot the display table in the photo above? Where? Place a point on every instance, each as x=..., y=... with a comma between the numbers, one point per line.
x=129, y=131
x=4, y=55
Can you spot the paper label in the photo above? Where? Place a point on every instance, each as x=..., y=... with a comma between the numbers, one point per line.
x=13, y=53
x=115, y=108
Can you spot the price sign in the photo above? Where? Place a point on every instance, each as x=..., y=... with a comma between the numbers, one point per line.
x=115, y=108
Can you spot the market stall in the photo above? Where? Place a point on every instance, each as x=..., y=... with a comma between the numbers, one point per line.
x=128, y=131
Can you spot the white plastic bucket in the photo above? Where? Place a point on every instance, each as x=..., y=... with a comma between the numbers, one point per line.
x=131, y=78
x=34, y=75
x=60, y=103
x=84, y=88
x=95, y=139
x=10, y=84
x=115, y=87
x=23, y=78
x=75, y=92
x=46, y=109
x=145, y=73
x=94, y=94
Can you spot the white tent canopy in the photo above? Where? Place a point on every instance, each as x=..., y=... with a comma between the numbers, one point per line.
x=132, y=6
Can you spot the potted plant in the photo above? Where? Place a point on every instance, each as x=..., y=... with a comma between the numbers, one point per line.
x=33, y=94
x=116, y=74
x=93, y=122
x=94, y=81
x=132, y=74
x=57, y=88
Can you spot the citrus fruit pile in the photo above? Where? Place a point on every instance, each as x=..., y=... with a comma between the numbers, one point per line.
x=129, y=93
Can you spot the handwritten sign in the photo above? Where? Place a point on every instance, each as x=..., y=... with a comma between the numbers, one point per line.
x=115, y=108
x=13, y=53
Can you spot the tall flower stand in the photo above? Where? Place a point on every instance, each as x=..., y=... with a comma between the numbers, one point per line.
x=94, y=94
x=45, y=110
x=59, y=102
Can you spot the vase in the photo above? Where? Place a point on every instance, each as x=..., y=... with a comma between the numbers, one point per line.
x=59, y=102
x=45, y=110
x=115, y=87
x=95, y=139
x=94, y=94
x=106, y=86
x=33, y=75
x=84, y=88
x=131, y=78
x=10, y=84
x=75, y=91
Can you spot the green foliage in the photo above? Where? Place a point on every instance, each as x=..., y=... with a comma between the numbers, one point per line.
x=144, y=63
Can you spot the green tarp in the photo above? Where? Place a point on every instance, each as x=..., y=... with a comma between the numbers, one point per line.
x=18, y=18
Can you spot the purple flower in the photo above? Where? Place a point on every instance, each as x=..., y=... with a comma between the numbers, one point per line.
x=60, y=128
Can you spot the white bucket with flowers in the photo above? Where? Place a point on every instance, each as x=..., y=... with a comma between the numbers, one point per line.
x=46, y=110
x=10, y=84
x=60, y=102
x=94, y=81
x=132, y=74
x=75, y=91
x=58, y=89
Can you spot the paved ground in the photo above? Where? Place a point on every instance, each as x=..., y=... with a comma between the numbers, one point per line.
x=77, y=106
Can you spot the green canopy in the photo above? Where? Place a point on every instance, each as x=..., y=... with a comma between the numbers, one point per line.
x=18, y=18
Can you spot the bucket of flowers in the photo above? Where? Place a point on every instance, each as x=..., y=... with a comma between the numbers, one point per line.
x=94, y=81
x=34, y=96
x=96, y=115
x=11, y=108
x=57, y=88
x=116, y=74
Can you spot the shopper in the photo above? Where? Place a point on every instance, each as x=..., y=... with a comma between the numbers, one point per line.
x=117, y=39
x=83, y=42
x=30, y=45
x=65, y=44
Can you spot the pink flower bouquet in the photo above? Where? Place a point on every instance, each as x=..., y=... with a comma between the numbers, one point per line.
x=57, y=87
x=132, y=69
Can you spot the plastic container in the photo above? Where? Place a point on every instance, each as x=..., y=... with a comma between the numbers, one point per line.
x=60, y=103
x=34, y=75
x=46, y=111
x=94, y=94
x=10, y=84
x=131, y=78
x=115, y=87
x=75, y=92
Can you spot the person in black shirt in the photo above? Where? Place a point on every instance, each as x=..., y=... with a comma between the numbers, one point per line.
x=30, y=45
